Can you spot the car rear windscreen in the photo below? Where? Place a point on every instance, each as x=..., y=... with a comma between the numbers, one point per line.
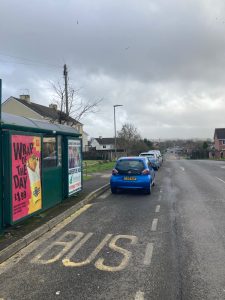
x=148, y=154
x=130, y=166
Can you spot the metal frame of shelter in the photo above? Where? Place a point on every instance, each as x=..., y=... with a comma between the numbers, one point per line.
x=56, y=183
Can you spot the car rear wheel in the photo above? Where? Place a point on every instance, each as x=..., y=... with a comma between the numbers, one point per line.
x=149, y=190
x=113, y=190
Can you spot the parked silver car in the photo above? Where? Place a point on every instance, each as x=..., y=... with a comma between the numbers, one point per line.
x=159, y=155
x=153, y=159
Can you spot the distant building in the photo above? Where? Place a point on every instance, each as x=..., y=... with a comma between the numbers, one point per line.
x=219, y=143
x=103, y=144
x=105, y=148
x=24, y=107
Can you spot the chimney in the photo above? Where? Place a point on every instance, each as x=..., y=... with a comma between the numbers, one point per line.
x=100, y=137
x=54, y=106
x=25, y=98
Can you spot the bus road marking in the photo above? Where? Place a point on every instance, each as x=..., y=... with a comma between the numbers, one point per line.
x=70, y=242
x=126, y=254
x=12, y=261
x=65, y=247
x=67, y=260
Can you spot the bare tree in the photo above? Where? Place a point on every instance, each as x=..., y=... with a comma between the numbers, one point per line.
x=77, y=107
x=130, y=140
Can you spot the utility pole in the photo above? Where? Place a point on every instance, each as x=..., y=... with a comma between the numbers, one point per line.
x=115, y=131
x=65, y=73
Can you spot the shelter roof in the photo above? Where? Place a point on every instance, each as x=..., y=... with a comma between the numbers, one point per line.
x=9, y=120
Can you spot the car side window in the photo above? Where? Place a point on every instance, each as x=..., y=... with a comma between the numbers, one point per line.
x=150, y=165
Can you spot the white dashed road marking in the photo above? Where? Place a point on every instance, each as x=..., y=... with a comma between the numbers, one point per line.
x=148, y=254
x=139, y=295
x=222, y=167
x=154, y=224
x=157, y=209
x=182, y=168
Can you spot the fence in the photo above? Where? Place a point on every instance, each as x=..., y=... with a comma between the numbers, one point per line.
x=199, y=154
x=86, y=165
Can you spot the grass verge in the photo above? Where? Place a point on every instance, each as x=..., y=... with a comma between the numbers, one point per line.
x=91, y=167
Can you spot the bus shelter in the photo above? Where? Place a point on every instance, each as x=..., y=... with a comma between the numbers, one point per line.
x=41, y=166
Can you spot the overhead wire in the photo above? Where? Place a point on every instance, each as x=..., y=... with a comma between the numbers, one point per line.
x=29, y=61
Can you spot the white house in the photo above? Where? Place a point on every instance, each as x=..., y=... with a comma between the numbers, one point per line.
x=104, y=144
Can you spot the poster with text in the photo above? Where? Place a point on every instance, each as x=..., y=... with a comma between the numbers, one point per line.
x=74, y=165
x=26, y=176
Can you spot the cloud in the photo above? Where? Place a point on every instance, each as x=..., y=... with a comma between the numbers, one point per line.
x=163, y=60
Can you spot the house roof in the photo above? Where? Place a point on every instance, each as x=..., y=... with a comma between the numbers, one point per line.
x=47, y=112
x=220, y=133
x=105, y=141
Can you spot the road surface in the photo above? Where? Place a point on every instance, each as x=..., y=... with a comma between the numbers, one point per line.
x=169, y=245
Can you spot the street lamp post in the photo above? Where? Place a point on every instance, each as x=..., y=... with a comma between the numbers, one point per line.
x=114, y=106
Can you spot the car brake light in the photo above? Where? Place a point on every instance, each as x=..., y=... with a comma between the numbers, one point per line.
x=114, y=172
x=145, y=172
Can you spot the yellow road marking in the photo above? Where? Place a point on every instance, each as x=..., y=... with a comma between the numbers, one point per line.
x=127, y=254
x=78, y=212
x=66, y=247
x=76, y=240
x=68, y=263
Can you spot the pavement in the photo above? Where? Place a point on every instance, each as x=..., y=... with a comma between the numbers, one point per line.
x=17, y=237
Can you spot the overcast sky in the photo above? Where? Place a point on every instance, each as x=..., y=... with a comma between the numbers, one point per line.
x=163, y=60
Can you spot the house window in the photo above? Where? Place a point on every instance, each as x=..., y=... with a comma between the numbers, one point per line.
x=104, y=146
x=223, y=142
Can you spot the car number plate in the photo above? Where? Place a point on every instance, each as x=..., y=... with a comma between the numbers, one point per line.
x=129, y=178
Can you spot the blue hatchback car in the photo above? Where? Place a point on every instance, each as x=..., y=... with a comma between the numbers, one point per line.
x=132, y=173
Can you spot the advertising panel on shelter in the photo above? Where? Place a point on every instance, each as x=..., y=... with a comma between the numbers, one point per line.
x=74, y=165
x=26, y=176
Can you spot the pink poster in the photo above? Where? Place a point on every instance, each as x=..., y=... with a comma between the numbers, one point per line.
x=26, y=176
